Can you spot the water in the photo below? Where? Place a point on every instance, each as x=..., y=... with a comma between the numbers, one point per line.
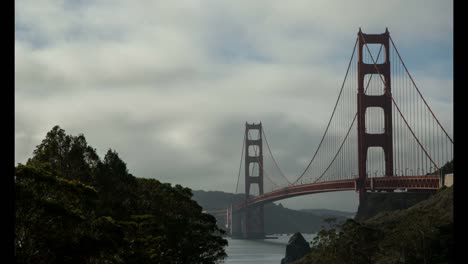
x=266, y=251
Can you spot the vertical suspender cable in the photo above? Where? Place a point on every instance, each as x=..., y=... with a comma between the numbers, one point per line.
x=418, y=121
x=398, y=53
x=426, y=166
x=402, y=152
x=410, y=121
x=354, y=49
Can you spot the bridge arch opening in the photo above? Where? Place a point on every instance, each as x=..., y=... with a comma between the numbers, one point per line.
x=374, y=50
x=254, y=190
x=375, y=165
x=374, y=84
x=254, y=134
x=254, y=151
x=254, y=169
x=375, y=120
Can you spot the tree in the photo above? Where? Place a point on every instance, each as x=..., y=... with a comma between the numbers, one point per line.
x=116, y=187
x=71, y=207
x=422, y=233
x=69, y=156
x=172, y=227
x=55, y=221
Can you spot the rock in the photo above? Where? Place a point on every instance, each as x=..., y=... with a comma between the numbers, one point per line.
x=297, y=248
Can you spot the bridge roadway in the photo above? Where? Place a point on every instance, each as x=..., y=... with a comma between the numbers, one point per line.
x=381, y=183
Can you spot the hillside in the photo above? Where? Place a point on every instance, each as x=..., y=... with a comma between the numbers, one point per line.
x=215, y=200
x=328, y=212
x=277, y=218
x=422, y=233
x=440, y=205
x=378, y=202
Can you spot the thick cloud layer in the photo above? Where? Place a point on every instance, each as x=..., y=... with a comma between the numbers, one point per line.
x=170, y=84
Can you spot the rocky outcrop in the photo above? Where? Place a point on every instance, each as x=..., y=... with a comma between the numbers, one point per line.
x=297, y=248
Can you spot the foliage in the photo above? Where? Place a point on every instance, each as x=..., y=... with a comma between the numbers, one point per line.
x=68, y=156
x=328, y=245
x=71, y=207
x=55, y=220
x=184, y=233
x=447, y=168
x=116, y=187
x=420, y=234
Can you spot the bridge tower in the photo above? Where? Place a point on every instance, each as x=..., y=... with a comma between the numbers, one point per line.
x=249, y=222
x=384, y=101
x=253, y=224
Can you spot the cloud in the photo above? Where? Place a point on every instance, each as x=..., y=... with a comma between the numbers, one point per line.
x=170, y=84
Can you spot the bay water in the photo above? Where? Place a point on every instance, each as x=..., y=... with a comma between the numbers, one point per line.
x=261, y=251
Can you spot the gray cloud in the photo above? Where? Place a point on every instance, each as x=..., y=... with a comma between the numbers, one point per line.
x=169, y=85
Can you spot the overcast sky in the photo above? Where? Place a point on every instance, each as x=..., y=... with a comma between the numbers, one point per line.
x=170, y=84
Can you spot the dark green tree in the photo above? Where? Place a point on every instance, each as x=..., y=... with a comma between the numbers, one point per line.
x=172, y=226
x=71, y=207
x=68, y=156
x=116, y=187
x=55, y=220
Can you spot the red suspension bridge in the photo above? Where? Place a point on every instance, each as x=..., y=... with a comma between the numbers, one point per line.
x=387, y=138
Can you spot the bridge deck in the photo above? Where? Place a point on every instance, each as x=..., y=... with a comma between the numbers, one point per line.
x=382, y=183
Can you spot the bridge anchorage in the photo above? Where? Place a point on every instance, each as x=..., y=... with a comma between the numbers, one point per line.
x=397, y=142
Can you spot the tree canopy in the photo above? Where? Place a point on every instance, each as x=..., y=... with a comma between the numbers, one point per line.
x=73, y=207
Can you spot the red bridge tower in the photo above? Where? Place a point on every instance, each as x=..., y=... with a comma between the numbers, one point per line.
x=384, y=101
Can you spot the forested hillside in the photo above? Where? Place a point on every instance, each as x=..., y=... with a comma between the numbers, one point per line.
x=422, y=233
x=71, y=206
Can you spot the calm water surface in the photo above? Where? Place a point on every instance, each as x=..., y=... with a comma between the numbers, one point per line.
x=266, y=251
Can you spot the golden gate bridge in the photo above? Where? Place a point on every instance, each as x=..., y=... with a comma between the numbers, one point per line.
x=381, y=136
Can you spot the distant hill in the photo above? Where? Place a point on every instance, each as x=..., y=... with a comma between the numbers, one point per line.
x=277, y=218
x=328, y=212
x=214, y=200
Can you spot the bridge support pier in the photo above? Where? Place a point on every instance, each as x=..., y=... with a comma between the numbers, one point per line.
x=254, y=228
x=247, y=224
x=236, y=225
